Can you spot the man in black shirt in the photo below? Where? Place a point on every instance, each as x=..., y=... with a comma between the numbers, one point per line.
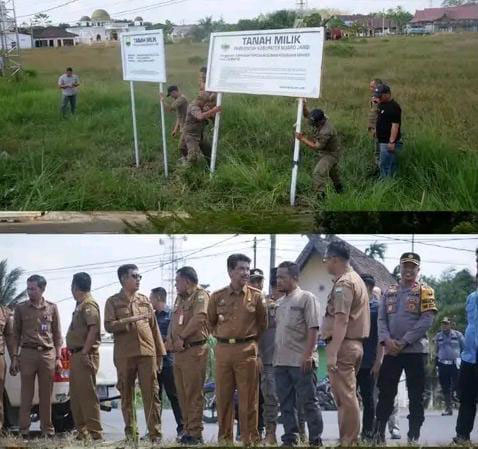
x=166, y=377
x=368, y=368
x=388, y=130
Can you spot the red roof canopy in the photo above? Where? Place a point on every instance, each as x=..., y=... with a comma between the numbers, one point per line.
x=464, y=12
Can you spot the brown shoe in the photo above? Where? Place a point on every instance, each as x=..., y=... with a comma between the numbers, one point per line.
x=270, y=438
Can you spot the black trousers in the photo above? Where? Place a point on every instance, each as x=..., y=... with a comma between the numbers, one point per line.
x=447, y=375
x=166, y=380
x=468, y=394
x=388, y=379
x=366, y=384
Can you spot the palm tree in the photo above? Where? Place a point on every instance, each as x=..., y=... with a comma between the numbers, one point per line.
x=8, y=288
x=376, y=250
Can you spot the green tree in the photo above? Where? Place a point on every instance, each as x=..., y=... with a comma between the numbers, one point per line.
x=8, y=285
x=316, y=20
x=376, y=250
x=399, y=16
x=41, y=19
x=458, y=2
x=283, y=18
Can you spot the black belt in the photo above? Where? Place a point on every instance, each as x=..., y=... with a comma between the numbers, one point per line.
x=75, y=350
x=195, y=343
x=36, y=348
x=232, y=341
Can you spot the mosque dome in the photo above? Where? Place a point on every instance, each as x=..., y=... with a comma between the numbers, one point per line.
x=138, y=19
x=85, y=19
x=100, y=15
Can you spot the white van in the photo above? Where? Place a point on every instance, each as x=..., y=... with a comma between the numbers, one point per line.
x=60, y=398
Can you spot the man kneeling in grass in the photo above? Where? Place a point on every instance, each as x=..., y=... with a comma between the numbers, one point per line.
x=199, y=111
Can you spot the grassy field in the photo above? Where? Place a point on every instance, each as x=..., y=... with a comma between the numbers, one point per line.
x=85, y=162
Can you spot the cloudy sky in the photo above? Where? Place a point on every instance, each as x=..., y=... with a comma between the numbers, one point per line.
x=58, y=257
x=190, y=11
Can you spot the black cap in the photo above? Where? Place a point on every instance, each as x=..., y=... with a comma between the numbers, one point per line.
x=171, y=89
x=410, y=257
x=381, y=89
x=316, y=115
x=256, y=273
x=368, y=279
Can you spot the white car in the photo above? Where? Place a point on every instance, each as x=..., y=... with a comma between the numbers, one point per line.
x=61, y=412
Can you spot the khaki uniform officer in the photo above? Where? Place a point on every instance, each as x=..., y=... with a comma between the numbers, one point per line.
x=36, y=329
x=138, y=350
x=188, y=335
x=192, y=135
x=6, y=336
x=83, y=340
x=346, y=324
x=326, y=142
x=238, y=316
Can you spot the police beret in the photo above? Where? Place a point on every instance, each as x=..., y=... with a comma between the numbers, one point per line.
x=410, y=257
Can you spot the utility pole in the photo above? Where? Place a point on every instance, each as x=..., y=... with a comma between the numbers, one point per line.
x=9, y=40
x=383, y=22
x=171, y=263
x=300, y=6
x=272, y=258
x=254, y=247
x=413, y=243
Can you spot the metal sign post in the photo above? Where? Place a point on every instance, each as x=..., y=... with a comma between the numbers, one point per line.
x=295, y=161
x=163, y=132
x=135, y=132
x=215, y=138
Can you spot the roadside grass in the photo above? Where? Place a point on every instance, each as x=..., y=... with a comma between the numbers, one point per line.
x=86, y=162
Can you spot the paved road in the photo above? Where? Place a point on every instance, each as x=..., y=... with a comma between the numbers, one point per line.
x=437, y=430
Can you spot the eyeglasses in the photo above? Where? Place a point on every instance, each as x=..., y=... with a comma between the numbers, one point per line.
x=136, y=276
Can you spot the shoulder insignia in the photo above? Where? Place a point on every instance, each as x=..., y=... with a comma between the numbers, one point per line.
x=427, y=299
x=201, y=296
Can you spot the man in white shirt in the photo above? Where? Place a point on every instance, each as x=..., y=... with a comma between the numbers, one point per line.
x=68, y=84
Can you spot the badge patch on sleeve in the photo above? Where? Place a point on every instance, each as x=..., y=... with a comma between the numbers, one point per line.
x=339, y=293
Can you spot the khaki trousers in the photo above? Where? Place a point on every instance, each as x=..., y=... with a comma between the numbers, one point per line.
x=85, y=405
x=144, y=368
x=236, y=367
x=344, y=388
x=35, y=363
x=328, y=166
x=189, y=376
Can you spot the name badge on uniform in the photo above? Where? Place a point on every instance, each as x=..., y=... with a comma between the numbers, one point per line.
x=43, y=327
x=181, y=319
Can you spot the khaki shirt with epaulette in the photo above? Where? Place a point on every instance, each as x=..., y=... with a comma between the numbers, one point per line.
x=327, y=139
x=6, y=328
x=141, y=338
x=194, y=125
x=35, y=327
x=86, y=314
x=348, y=296
x=237, y=314
x=372, y=114
x=180, y=105
x=189, y=319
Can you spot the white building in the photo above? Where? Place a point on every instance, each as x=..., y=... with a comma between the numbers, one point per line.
x=101, y=28
x=54, y=37
x=24, y=40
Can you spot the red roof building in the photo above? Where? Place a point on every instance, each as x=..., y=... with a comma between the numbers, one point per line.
x=456, y=18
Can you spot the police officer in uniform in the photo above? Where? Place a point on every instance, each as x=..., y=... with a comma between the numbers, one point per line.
x=237, y=315
x=346, y=324
x=406, y=313
x=6, y=337
x=83, y=340
x=326, y=142
x=188, y=334
x=138, y=350
x=36, y=330
x=449, y=344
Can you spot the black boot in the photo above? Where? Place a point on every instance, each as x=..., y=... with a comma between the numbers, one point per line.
x=339, y=188
x=379, y=433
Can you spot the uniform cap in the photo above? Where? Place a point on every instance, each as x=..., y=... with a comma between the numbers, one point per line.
x=171, y=89
x=317, y=115
x=256, y=273
x=445, y=320
x=410, y=257
x=380, y=90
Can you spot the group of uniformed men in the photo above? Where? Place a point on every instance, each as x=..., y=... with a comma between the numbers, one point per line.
x=273, y=340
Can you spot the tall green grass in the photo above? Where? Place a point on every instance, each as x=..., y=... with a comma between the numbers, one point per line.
x=86, y=161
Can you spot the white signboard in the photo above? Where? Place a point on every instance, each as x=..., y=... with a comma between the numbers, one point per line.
x=142, y=54
x=267, y=62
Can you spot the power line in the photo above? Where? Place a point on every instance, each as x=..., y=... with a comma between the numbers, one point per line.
x=49, y=9
x=428, y=244
x=150, y=7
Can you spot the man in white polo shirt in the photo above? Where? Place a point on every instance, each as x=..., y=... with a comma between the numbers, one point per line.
x=68, y=84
